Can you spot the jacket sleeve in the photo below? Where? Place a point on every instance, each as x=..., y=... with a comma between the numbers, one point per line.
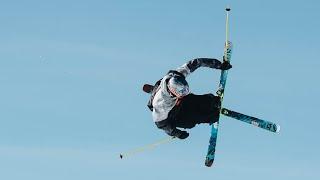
x=194, y=64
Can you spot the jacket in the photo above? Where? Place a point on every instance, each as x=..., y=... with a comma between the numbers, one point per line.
x=163, y=102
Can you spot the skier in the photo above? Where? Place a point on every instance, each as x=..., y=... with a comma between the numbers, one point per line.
x=173, y=105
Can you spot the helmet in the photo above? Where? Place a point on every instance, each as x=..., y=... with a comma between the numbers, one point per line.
x=178, y=86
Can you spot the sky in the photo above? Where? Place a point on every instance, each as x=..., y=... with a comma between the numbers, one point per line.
x=71, y=75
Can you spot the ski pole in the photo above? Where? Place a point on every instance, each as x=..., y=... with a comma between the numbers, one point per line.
x=145, y=147
x=227, y=24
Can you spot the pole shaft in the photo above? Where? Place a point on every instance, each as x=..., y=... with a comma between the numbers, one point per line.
x=143, y=148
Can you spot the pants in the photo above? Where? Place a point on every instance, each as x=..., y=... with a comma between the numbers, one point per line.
x=195, y=109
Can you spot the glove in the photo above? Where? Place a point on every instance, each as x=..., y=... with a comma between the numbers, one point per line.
x=182, y=134
x=225, y=65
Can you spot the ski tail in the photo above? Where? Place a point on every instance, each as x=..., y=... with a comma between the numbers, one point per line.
x=212, y=144
x=267, y=125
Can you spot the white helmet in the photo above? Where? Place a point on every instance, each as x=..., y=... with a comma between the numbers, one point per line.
x=178, y=86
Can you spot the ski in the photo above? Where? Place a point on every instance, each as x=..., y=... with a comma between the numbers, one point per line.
x=223, y=79
x=267, y=125
x=214, y=127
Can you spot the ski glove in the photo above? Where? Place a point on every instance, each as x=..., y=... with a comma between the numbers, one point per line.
x=225, y=65
x=182, y=134
x=171, y=130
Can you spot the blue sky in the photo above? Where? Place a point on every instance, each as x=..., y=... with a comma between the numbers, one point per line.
x=71, y=74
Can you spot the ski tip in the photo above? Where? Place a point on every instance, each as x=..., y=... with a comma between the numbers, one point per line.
x=278, y=128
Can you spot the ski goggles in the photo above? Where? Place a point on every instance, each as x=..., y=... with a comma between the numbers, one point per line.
x=180, y=91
